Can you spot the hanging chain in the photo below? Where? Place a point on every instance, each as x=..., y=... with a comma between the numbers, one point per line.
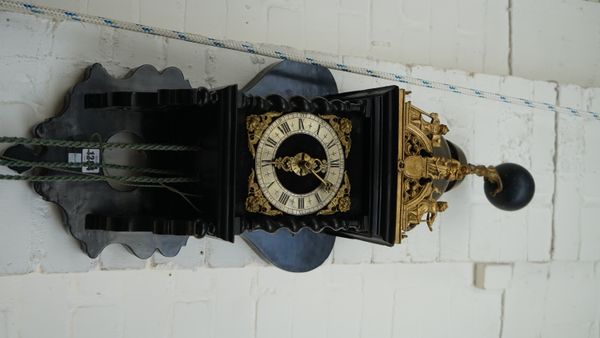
x=98, y=178
x=79, y=177
x=97, y=145
x=92, y=178
x=9, y=162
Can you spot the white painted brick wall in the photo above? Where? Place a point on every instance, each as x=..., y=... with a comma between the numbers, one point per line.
x=576, y=176
x=554, y=40
x=480, y=273
x=557, y=40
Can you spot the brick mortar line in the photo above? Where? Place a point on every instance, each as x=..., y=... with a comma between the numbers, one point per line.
x=510, y=37
x=555, y=165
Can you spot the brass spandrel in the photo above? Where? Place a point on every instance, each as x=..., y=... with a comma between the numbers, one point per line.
x=343, y=128
x=341, y=202
x=256, y=126
x=257, y=202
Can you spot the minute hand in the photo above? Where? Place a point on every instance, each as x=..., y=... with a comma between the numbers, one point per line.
x=327, y=184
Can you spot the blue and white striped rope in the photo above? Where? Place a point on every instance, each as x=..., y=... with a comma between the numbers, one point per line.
x=303, y=57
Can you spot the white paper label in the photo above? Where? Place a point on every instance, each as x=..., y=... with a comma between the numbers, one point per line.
x=93, y=156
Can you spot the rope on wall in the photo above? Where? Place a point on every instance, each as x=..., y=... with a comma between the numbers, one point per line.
x=297, y=56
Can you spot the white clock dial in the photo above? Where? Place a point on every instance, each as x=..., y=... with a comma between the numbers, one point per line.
x=318, y=166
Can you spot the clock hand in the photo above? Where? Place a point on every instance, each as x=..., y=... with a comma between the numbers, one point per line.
x=283, y=163
x=328, y=185
x=301, y=164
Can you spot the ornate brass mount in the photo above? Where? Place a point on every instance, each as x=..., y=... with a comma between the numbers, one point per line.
x=256, y=201
x=343, y=128
x=418, y=169
x=256, y=126
x=423, y=173
x=341, y=202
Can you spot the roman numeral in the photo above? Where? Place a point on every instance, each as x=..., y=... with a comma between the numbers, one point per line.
x=301, y=203
x=318, y=197
x=318, y=130
x=300, y=124
x=330, y=144
x=284, y=128
x=283, y=198
x=270, y=184
x=335, y=163
x=266, y=163
x=271, y=143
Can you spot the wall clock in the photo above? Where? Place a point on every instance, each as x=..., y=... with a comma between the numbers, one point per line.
x=286, y=162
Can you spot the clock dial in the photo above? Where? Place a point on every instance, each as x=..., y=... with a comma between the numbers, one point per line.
x=299, y=163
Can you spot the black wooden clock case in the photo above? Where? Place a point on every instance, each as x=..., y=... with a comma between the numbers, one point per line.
x=161, y=107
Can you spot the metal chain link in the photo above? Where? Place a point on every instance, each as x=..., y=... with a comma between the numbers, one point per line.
x=279, y=53
x=97, y=145
x=87, y=177
x=4, y=161
x=98, y=178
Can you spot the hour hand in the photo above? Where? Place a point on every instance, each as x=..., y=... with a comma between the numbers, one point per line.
x=301, y=164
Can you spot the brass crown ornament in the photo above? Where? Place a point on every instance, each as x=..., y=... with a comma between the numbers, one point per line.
x=507, y=186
